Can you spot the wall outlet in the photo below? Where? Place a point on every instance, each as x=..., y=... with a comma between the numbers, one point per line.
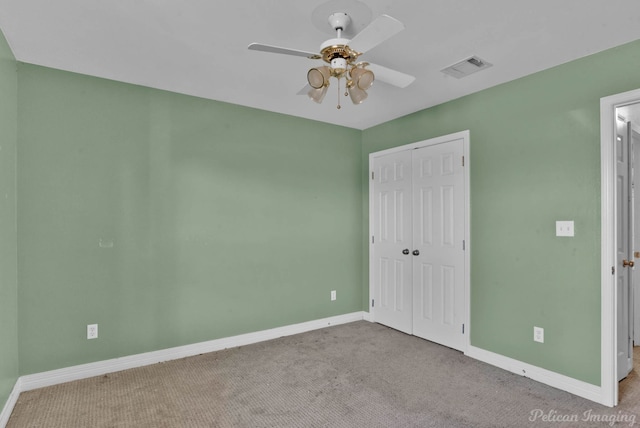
x=538, y=334
x=92, y=331
x=333, y=295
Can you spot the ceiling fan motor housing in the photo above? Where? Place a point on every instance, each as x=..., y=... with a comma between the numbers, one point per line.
x=338, y=54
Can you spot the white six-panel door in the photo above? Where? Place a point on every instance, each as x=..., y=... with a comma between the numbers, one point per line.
x=438, y=237
x=418, y=226
x=393, y=240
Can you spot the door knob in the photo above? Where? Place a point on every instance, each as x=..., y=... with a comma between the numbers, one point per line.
x=405, y=251
x=628, y=263
x=416, y=252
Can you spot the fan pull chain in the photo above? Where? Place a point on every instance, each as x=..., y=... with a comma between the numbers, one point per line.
x=339, y=107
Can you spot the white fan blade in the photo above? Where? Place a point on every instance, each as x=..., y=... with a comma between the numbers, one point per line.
x=279, y=50
x=392, y=77
x=375, y=33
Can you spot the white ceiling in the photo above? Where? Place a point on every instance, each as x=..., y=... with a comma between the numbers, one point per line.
x=199, y=47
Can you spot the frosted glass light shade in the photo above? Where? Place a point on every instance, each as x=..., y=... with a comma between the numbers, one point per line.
x=362, y=78
x=318, y=94
x=357, y=95
x=319, y=77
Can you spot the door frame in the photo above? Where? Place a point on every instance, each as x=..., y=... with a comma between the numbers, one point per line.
x=465, y=136
x=636, y=278
x=608, y=290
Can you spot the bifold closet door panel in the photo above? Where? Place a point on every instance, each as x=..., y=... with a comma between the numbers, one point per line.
x=393, y=241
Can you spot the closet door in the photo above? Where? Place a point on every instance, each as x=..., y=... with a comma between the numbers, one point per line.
x=418, y=259
x=438, y=240
x=393, y=241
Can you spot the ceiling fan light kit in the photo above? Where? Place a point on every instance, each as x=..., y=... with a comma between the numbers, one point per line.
x=342, y=55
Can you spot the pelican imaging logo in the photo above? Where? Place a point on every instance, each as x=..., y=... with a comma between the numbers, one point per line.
x=554, y=416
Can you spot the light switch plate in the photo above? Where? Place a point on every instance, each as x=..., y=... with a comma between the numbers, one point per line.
x=564, y=228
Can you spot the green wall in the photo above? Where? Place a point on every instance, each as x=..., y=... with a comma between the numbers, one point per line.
x=170, y=220
x=535, y=159
x=8, y=242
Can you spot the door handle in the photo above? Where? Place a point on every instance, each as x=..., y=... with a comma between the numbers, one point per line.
x=405, y=251
x=628, y=263
x=416, y=252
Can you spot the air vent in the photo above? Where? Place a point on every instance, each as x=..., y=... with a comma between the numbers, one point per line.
x=466, y=67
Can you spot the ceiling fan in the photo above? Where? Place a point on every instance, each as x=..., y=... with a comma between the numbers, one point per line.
x=342, y=55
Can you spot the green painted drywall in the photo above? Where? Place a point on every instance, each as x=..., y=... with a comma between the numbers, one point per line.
x=170, y=220
x=8, y=240
x=535, y=159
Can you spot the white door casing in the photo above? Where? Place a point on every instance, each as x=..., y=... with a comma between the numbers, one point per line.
x=440, y=213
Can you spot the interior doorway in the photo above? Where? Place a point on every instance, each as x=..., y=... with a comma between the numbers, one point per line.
x=630, y=114
x=618, y=249
x=626, y=140
x=628, y=301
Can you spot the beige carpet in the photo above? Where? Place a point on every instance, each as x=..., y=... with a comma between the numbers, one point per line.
x=354, y=375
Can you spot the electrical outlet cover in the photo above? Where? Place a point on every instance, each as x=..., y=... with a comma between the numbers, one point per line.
x=538, y=334
x=92, y=331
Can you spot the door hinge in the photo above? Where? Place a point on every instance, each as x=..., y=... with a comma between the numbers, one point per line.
x=613, y=270
x=462, y=160
x=462, y=328
x=372, y=175
x=373, y=303
x=373, y=239
x=463, y=245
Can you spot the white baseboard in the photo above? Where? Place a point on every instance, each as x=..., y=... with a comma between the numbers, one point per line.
x=83, y=371
x=556, y=380
x=10, y=404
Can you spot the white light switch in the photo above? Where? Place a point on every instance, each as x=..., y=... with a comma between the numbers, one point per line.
x=564, y=228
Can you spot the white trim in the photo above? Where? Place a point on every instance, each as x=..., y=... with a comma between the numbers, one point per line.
x=10, y=404
x=465, y=136
x=372, y=309
x=608, y=290
x=83, y=371
x=556, y=380
x=467, y=236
